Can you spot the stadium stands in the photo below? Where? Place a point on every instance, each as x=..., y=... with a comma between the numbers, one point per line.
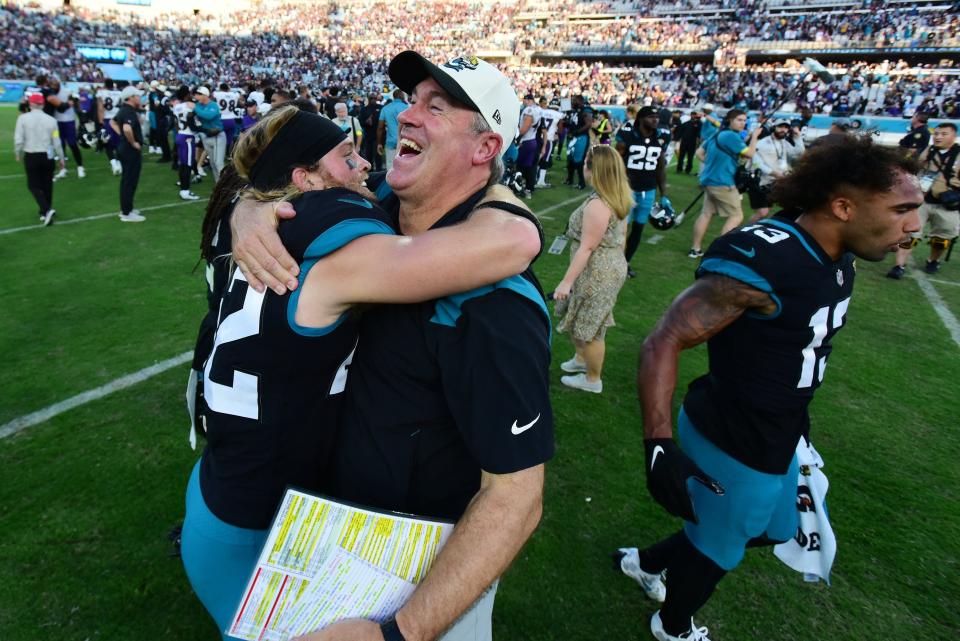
x=551, y=48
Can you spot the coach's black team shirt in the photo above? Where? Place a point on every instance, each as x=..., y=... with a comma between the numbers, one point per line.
x=441, y=390
x=127, y=115
x=764, y=369
x=272, y=389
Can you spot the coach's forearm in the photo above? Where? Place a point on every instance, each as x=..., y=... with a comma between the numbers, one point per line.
x=500, y=519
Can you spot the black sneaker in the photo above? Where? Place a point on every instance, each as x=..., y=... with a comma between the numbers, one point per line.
x=630, y=272
x=896, y=272
x=932, y=266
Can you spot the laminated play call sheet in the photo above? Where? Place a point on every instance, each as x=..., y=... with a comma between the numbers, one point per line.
x=324, y=561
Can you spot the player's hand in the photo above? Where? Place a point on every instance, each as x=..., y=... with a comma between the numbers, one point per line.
x=379, y=150
x=346, y=630
x=257, y=249
x=665, y=203
x=668, y=469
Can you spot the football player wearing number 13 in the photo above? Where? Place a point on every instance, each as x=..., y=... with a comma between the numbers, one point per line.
x=643, y=148
x=768, y=300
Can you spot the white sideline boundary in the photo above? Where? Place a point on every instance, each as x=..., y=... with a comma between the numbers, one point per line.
x=939, y=305
x=29, y=420
x=61, y=223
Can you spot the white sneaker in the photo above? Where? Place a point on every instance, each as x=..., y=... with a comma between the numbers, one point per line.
x=61, y=174
x=574, y=366
x=133, y=217
x=81, y=172
x=693, y=634
x=116, y=167
x=652, y=584
x=188, y=195
x=580, y=382
x=201, y=172
x=48, y=217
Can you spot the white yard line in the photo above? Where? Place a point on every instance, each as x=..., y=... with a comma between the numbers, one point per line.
x=944, y=282
x=656, y=238
x=939, y=306
x=542, y=213
x=60, y=223
x=123, y=382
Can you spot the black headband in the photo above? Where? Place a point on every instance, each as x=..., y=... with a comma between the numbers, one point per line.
x=304, y=140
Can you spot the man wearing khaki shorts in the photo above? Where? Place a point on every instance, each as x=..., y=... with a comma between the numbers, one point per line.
x=938, y=161
x=720, y=156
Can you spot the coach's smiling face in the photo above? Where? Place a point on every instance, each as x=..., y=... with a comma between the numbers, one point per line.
x=439, y=152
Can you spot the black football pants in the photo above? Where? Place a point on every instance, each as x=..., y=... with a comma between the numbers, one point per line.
x=39, y=168
x=130, y=161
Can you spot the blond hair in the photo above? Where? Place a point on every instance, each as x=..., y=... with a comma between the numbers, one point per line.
x=253, y=142
x=609, y=178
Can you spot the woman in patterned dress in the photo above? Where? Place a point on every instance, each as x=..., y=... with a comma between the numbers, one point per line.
x=588, y=292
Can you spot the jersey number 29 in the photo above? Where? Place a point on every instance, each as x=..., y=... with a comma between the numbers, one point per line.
x=641, y=157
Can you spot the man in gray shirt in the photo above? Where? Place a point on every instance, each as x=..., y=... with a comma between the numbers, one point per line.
x=36, y=139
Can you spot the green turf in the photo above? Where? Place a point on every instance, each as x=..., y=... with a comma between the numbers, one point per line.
x=86, y=499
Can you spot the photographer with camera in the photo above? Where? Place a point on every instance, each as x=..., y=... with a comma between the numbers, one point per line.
x=720, y=156
x=940, y=181
x=772, y=160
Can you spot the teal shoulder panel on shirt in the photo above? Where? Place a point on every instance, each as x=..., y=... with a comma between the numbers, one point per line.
x=342, y=233
x=326, y=243
x=448, y=310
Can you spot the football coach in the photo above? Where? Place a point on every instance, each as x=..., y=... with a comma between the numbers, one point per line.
x=447, y=412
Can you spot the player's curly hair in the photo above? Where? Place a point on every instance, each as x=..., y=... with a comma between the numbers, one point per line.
x=839, y=163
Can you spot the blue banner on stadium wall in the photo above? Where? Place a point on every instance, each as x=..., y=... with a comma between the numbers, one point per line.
x=11, y=91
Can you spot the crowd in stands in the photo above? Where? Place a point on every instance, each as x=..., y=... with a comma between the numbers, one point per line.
x=347, y=45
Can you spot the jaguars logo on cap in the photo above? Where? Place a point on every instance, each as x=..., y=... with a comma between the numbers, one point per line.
x=463, y=62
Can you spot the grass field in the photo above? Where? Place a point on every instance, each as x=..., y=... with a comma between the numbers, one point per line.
x=87, y=498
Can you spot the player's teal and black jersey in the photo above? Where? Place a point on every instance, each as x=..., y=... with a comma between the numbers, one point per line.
x=271, y=388
x=642, y=155
x=764, y=369
x=442, y=390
